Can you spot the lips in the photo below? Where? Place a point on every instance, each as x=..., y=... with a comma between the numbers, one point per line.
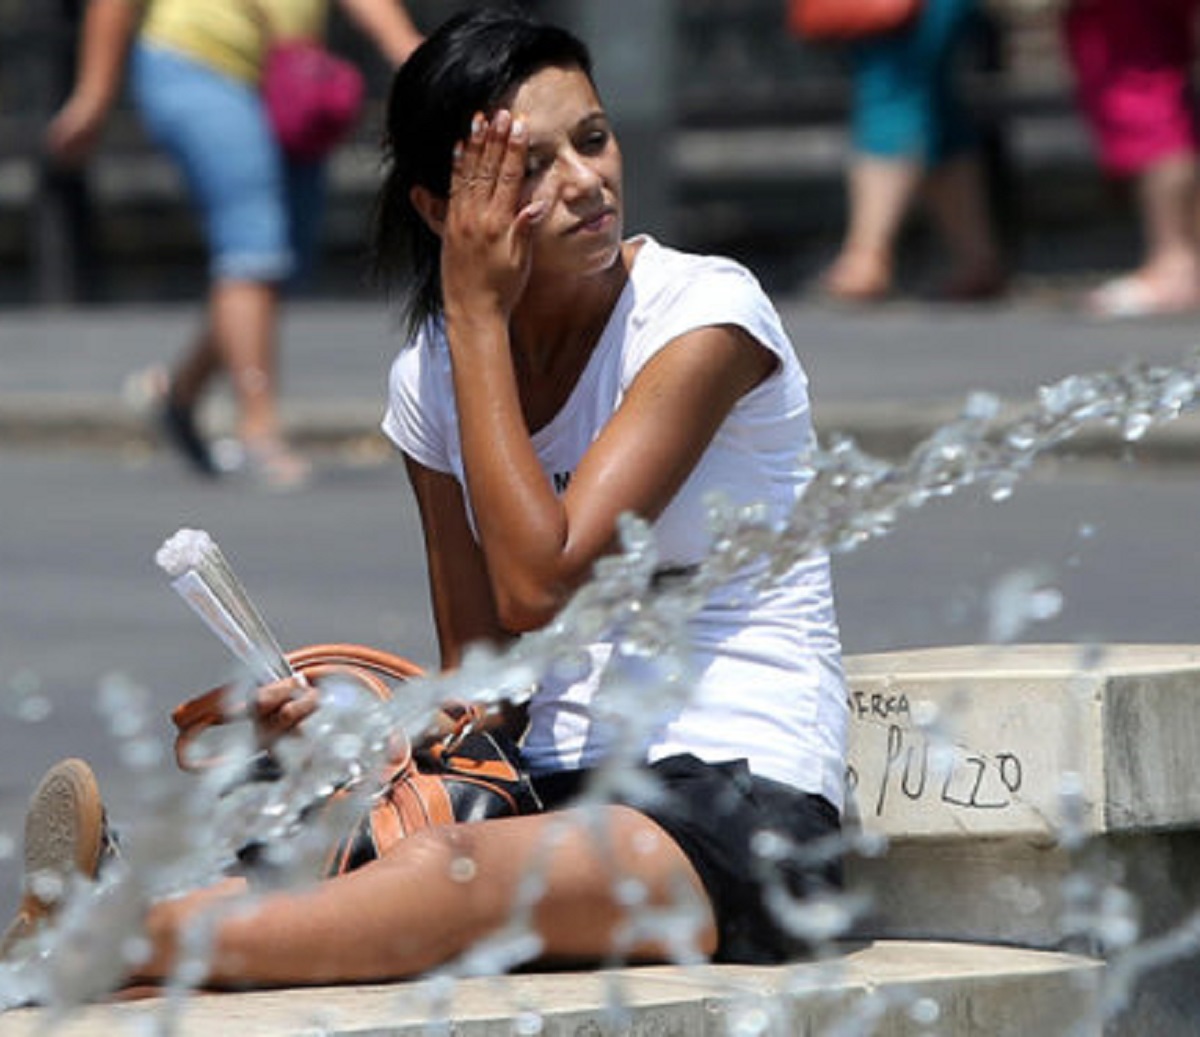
x=597, y=221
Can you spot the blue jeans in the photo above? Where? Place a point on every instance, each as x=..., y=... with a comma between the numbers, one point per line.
x=906, y=104
x=261, y=213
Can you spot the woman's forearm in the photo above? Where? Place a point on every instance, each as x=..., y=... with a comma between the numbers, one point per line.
x=108, y=28
x=522, y=524
x=388, y=24
x=75, y=129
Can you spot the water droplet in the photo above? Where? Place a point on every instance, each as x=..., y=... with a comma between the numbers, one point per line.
x=1017, y=600
x=34, y=709
x=528, y=1023
x=462, y=869
x=25, y=682
x=750, y=1022
x=48, y=886
x=925, y=713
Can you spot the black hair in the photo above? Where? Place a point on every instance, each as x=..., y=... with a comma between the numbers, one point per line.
x=467, y=65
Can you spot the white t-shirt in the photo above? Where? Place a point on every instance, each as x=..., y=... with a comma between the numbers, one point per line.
x=765, y=673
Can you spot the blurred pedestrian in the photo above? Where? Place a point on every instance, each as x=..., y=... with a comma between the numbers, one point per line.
x=195, y=70
x=1132, y=61
x=911, y=136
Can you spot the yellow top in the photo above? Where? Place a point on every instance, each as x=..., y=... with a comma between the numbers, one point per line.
x=229, y=35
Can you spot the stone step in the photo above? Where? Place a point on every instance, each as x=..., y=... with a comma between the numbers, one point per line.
x=883, y=989
x=1016, y=741
x=989, y=771
x=1037, y=795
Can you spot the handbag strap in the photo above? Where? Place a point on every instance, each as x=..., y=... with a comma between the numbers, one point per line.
x=372, y=667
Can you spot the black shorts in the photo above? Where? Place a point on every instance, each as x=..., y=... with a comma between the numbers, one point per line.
x=715, y=812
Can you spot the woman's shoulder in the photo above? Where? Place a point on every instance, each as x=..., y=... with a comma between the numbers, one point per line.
x=676, y=292
x=664, y=265
x=423, y=356
x=671, y=285
x=420, y=411
x=669, y=280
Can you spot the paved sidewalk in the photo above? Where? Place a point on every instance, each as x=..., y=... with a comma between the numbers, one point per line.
x=886, y=376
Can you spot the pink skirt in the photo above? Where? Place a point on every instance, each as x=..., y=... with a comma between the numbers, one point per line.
x=1132, y=61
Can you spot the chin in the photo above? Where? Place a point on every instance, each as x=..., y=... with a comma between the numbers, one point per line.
x=594, y=262
x=608, y=252
x=612, y=256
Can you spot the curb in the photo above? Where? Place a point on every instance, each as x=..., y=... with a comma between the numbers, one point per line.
x=885, y=430
x=95, y=422
x=891, y=431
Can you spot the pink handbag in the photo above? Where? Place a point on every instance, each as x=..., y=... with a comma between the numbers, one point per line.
x=313, y=98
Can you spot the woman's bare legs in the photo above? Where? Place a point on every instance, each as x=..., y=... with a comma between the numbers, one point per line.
x=881, y=192
x=437, y=894
x=958, y=204
x=195, y=371
x=241, y=336
x=245, y=320
x=1168, y=278
x=1167, y=193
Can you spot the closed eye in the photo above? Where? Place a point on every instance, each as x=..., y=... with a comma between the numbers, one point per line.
x=594, y=142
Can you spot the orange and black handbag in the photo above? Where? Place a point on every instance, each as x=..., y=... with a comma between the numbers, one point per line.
x=472, y=775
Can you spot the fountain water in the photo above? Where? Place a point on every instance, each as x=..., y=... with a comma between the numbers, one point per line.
x=187, y=833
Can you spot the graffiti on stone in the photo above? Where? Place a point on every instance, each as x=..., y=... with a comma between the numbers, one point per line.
x=921, y=767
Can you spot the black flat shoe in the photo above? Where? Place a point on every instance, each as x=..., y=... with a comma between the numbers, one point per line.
x=181, y=433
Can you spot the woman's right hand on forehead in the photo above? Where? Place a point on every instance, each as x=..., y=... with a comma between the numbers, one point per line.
x=486, y=244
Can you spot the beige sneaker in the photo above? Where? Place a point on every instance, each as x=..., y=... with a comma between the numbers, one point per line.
x=65, y=835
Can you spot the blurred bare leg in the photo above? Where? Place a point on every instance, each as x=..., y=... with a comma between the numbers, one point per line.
x=244, y=319
x=1167, y=194
x=183, y=392
x=195, y=372
x=881, y=192
x=1168, y=279
x=957, y=203
x=245, y=329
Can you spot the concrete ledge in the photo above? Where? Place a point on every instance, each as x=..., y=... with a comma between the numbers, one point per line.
x=896, y=989
x=962, y=760
x=983, y=742
x=973, y=762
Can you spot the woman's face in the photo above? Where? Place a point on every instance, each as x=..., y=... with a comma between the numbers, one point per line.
x=574, y=167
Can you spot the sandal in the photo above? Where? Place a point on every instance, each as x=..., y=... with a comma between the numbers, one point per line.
x=856, y=282
x=66, y=836
x=274, y=465
x=1133, y=296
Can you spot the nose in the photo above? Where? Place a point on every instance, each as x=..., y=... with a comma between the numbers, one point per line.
x=580, y=178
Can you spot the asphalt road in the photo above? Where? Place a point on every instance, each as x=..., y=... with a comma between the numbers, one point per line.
x=83, y=601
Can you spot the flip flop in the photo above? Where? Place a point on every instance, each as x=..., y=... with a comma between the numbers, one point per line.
x=272, y=464
x=844, y=291
x=1131, y=297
